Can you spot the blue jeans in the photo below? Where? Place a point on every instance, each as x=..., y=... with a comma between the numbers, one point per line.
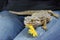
x=53, y=32
x=10, y=25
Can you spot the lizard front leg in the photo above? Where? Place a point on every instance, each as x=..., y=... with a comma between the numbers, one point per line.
x=44, y=25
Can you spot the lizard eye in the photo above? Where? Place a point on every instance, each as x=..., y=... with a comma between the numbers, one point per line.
x=32, y=20
x=41, y=20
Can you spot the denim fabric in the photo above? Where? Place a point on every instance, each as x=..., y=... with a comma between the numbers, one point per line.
x=10, y=25
x=53, y=32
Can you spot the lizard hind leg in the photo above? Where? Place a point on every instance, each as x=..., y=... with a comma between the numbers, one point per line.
x=53, y=14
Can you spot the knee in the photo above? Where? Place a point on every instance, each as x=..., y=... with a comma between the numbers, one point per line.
x=10, y=26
